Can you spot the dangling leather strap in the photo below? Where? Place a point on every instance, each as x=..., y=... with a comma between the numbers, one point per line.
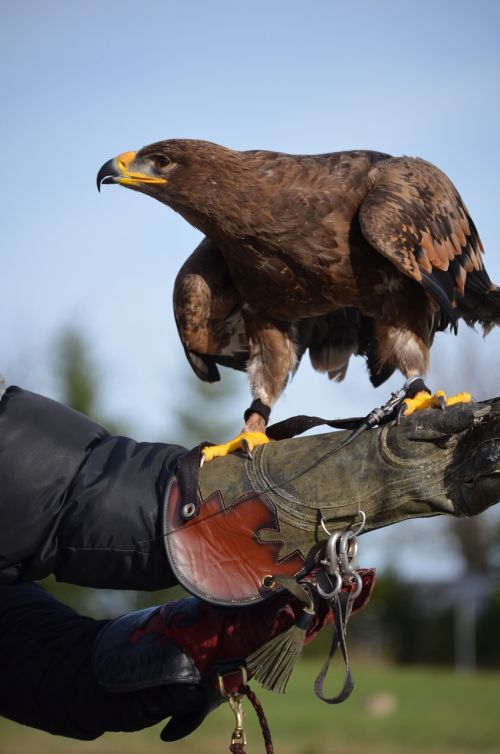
x=296, y=425
x=264, y=725
x=187, y=475
x=341, y=608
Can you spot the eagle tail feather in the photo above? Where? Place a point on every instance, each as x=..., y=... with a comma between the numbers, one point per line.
x=332, y=358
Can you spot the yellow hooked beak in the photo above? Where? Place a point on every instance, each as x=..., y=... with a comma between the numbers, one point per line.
x=118, y=170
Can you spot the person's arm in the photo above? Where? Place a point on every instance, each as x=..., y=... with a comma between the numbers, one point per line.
x=90, y=508
x=87, y=506
x=78, y=502
x=79, y=677
x=48, y=680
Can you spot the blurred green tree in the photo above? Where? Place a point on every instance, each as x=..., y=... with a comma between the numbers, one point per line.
x=204, y=411
x=76, y=372
x=78, y=386
x=78, y=380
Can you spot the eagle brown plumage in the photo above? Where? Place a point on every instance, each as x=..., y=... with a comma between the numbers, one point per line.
x=340, y=254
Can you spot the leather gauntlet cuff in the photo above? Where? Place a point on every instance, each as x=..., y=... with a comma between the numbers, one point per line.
x=135, y=653
x=128, y=655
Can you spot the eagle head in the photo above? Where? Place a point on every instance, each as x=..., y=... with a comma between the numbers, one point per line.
x=167, y=168
x=198, y=179
x=138, y=170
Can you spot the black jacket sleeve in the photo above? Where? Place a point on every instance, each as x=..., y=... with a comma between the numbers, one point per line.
x=47, y=680
x=77, y=502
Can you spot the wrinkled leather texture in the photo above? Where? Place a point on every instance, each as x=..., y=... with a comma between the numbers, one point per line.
x=228, y=551
x=435, y=462
x=262, y=516
x=218, y=555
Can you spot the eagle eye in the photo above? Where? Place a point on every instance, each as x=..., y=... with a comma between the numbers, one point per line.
x=161, y=161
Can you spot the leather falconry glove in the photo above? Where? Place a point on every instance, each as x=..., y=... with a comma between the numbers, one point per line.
x=189, y=642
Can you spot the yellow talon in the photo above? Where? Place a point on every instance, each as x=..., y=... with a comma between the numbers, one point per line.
x=418, y=402
x=438, y=400
x=244, y=441
x=459, y=398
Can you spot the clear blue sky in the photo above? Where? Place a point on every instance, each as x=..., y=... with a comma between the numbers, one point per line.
x=83, y=81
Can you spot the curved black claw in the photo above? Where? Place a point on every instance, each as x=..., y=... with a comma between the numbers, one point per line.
x=441, y=401
x=246, y=449
x=400, y=412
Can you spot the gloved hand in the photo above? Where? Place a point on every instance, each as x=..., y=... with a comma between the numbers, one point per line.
x=186, y=644
x=183, y=644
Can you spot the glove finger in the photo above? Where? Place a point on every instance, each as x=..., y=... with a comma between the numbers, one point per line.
x=181, y=725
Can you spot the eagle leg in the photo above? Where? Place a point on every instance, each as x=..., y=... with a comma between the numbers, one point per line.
x=407, y=349
x=252, y=434
x=272, y=358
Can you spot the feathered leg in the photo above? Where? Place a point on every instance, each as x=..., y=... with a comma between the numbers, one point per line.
x=409, y=352
x=272, y=359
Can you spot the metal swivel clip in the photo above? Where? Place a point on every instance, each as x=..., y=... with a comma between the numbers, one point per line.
x=341, y=554
x=234, y=699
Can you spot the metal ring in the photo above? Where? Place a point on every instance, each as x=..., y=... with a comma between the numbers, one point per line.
x=188, y=511
x=361, y=525
x=359, y=586
x=345, y=539
x=331, y=553
x=268, y=582
x=322, y=522
x=348, y=551
x=336, y=589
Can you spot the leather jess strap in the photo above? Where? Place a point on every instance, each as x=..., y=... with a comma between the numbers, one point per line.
x=341, y=608
x=391, y=410
x=296, y=425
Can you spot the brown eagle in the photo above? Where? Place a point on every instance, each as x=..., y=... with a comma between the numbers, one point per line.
x=345, y=253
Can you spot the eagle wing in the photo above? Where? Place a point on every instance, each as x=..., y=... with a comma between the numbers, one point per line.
x=414, y=217
x=208, y=314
